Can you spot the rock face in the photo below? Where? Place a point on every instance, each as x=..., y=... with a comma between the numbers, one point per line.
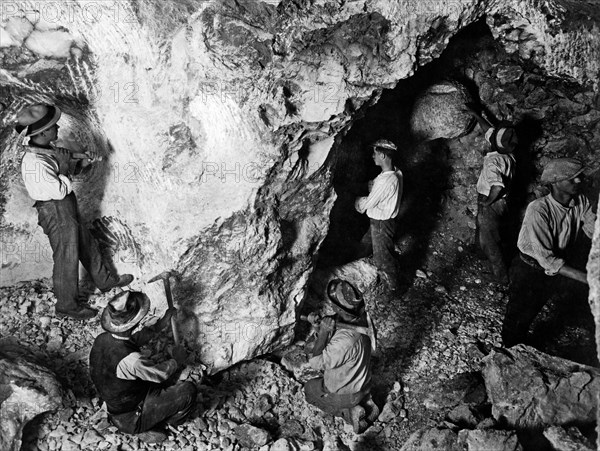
x=439, y=112
x=26, y=390
x=529, y=389
x=218, y=122
x=593, y=269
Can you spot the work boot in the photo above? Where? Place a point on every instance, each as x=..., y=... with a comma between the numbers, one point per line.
x=124, y=280
x=357, y=415
x=372, y=408
x=81, y=312
x=152, y=436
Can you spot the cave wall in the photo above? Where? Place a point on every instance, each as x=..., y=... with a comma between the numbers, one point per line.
x=217, y=121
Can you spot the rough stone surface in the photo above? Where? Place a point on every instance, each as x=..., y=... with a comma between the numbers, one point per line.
x=218, y=123
x=27, y=390
x=489, y=440
x=593, y=269
x=440, y=112
x=251, y=436
x=432, y=439
x=569, y=439
x=530, y=389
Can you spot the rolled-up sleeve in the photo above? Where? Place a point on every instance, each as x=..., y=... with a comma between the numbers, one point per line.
x=135, y=366
x=589, y=220
x=538, y=242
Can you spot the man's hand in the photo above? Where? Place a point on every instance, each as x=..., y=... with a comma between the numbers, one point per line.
x=180, y=355
x=164, y=322
x=328, y=324
x=63, y=156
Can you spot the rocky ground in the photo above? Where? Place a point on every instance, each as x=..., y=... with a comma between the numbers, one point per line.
x=431, y=342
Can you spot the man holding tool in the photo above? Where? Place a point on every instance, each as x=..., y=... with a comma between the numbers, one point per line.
x=343, y=351
x=46, y=172
x=549, y=263
x=132, y=385
x=493, y=189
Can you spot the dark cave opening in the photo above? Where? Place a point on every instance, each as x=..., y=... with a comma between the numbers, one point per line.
x=440, y=175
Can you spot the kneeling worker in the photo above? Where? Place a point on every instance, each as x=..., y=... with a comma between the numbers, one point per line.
x=343, y=351
x=133, y=386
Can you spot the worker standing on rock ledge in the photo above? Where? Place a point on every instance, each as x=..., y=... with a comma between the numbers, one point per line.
x=382, y=206
x=131, y=385
x=548, y=248
x=343, y=351
x=46, y=172
x=493, y=188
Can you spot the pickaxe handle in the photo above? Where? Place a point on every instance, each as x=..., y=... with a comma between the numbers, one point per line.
x=170, y=304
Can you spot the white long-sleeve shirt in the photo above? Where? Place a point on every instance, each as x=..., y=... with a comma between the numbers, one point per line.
x=383, y=202
x=42, y=179
x=549, y=228
x=498, y=169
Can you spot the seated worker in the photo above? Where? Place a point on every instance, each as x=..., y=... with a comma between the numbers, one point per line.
x=134, y=387
x=493, y=189
x=547, y=243
x=47, y=172
x=343, y=351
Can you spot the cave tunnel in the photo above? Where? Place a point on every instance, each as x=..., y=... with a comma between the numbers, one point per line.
x=220, y=160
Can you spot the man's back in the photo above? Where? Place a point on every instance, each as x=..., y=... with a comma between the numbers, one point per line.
x=120, y=395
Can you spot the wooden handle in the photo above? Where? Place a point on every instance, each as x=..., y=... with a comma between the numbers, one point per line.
x=170, y=304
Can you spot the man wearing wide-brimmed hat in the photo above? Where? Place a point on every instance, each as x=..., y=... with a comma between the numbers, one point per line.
x=343, y=351
x=549, y=251
x=46, y=172
x=133, y=386
x=382, y=206
x=493, y=189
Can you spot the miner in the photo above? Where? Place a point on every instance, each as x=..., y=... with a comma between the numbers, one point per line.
x=47, y=174
x=493, y=188
x=343, y=352
x=549, y=249
x=134, y=388
x=382, y=206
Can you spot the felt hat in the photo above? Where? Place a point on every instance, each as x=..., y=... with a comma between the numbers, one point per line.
x=125, y=311
x=37, y=118
x=500, y=138
x=345, y=296
x=560, y=169
x=384, y=144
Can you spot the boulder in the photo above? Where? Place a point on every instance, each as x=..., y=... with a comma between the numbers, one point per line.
x=489, y=440
x=27, y=389
x=439, y=112
x=432, y=440
x=531, y=390
x=570, y=439
x=251, y=436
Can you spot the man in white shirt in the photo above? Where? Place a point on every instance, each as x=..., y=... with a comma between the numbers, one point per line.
x=133, y=386
x=46, y=172
x=550, y=230
x=493, y=188
x=382, y=206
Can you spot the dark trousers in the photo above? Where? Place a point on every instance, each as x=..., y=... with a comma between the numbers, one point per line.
x=71, y=242
x=489, y=223
x=530, y=289
x=379, y=241
x=331, y=403
x=170, y=405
